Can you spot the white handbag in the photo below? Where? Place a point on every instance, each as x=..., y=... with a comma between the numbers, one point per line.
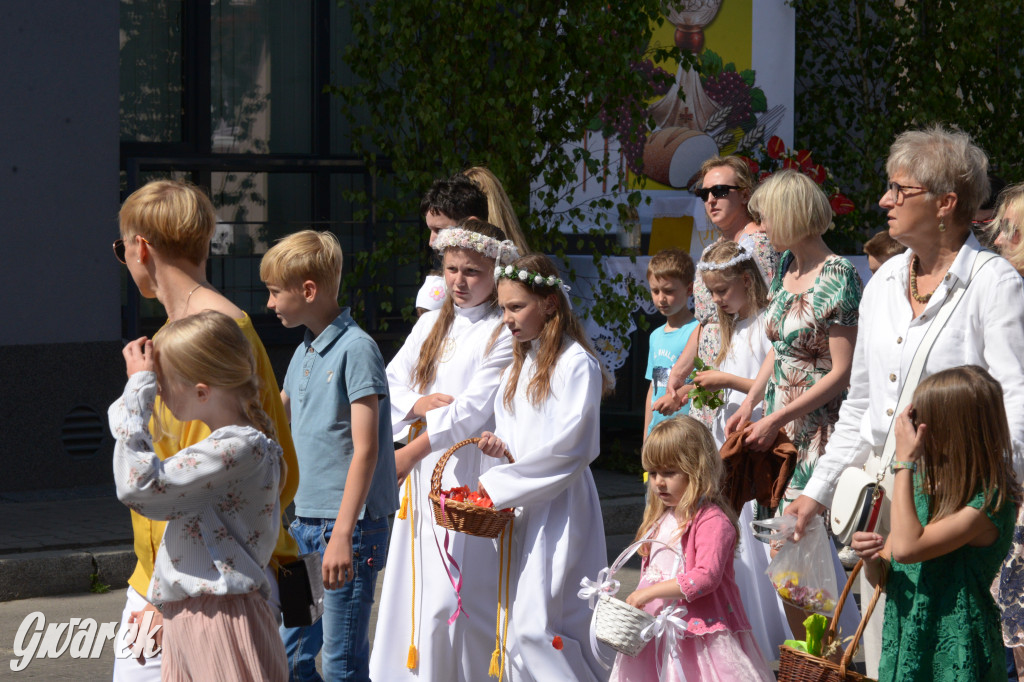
x=860, y=499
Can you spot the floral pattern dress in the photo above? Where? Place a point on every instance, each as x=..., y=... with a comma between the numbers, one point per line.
x=798, y=327
x=941, y=622
x=710, y=341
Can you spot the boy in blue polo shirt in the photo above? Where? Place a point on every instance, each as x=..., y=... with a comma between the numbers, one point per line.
x=336, y=393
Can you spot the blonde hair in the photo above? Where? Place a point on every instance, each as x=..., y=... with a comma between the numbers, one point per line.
x=684, y=444
x=431, y=350
x=672, y=263
x=756, y=289
x=175, y=217
x=967, y=445
x=1011, y=199
x=305, y=255
x=210, y=348
x=943, y=160
x=744, y=178
x=562, y=327
x=793, y=204
x=499, y=207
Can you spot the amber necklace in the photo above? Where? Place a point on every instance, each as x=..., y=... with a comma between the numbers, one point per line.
x=913, y=283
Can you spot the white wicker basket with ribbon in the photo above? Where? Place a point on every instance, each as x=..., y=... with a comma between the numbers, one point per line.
x=626, y=628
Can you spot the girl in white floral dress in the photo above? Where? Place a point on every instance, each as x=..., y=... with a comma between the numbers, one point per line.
x=219, y=497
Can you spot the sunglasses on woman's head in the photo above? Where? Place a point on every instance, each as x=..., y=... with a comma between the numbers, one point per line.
x=717, y=191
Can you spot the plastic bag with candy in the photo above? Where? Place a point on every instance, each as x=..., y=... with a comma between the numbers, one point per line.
x=802, y=572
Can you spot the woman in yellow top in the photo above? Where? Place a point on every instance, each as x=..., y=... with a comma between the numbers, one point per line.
x=166, y=227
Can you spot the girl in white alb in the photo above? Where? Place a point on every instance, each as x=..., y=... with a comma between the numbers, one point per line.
x=442, y=380
x=731, y=276
x=547, y=415
x=218, y=496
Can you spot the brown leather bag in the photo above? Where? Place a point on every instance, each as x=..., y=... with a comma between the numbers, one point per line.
x=753, y=475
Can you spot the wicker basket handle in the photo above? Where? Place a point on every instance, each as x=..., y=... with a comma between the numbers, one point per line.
x=851, y=649
x=435, y=479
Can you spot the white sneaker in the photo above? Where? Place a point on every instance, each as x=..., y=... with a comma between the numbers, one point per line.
x=848, y=557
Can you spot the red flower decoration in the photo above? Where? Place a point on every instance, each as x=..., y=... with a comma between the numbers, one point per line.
x=762, y=175
x=803, y=157
x=557, y=643
x=752, y=165
x=790, y=164
x=840, y=204
x=776, y=147
x=816, y=172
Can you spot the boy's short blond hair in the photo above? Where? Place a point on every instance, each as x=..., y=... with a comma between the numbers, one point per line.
x=882, y=247
x=305, y=255
x=672, y=263
x=176, y=218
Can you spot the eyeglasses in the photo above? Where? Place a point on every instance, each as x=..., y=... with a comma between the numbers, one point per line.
x=717, y=191
x=897, y=190
x=118, y=247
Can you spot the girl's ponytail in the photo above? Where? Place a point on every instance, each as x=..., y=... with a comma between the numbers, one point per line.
x=253, y=408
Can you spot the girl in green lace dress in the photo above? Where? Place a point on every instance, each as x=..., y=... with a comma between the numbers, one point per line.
x=954, y=503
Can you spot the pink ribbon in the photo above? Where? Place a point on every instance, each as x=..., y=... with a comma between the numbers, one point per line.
x=456, y=584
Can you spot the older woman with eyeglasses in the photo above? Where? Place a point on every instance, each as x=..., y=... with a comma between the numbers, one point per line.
x=937, y=179
x=726, y=185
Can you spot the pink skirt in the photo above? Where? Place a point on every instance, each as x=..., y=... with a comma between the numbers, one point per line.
x=716, y=657
x=222, y=638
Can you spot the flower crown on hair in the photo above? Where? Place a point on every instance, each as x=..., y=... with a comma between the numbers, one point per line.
x=458, y=237
x=528, y=277
x=744, y=254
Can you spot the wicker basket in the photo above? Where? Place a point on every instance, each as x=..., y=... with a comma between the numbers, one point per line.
x=465, y=517
x=797, y=666
x=619, y=625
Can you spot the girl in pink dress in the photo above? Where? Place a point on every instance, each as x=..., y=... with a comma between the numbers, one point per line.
x=708, y=636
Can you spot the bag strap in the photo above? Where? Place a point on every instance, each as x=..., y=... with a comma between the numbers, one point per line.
x=953, y=297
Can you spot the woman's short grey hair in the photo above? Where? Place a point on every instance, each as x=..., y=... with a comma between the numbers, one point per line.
x=943, y=160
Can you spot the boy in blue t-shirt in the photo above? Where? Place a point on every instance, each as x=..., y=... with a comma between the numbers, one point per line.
x=336, y=394
x=670, y=277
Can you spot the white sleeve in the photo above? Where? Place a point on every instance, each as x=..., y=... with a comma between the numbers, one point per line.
x=185, y=481
x=399, y=371
x=846, y=447
x=1002, y=345
x=571, y=440
x=472, y=409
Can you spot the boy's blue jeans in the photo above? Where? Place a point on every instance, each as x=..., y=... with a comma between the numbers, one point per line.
x=343, y=631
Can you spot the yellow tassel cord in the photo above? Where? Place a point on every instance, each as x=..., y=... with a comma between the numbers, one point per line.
x=406, y=511
x=497, y=668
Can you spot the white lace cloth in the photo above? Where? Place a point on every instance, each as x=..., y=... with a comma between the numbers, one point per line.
x=610, y=340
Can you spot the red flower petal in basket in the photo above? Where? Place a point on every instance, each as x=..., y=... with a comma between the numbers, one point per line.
x=790, y=164
x=840, y=204
x=816, y=172
x=776, y=147
x=803, y=157
x=557, y=643
x=751, y=164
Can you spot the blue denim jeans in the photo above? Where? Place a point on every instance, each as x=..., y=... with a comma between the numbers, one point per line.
x=343, y=631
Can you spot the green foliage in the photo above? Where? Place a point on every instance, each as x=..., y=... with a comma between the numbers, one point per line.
x=868, y=70
x=700, y=396
x=438, y=87
x=96, y=586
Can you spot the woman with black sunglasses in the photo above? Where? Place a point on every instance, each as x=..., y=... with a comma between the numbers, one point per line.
x=726, y=186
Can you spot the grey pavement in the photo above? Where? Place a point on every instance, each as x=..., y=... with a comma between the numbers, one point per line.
x=56, y=542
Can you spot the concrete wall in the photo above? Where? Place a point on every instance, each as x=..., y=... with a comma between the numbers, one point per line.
x=59, y=283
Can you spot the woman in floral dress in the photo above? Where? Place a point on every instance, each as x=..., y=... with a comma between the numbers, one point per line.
x=726, y=187
x=812, y=323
